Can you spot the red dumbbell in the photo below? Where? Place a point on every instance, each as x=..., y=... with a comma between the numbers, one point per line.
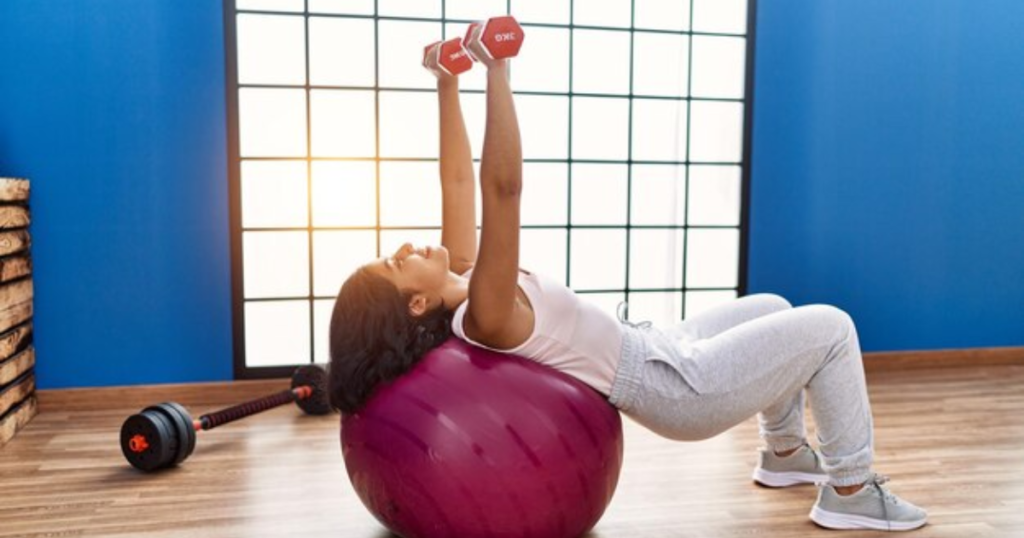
x=498, y=38
x=447, y=56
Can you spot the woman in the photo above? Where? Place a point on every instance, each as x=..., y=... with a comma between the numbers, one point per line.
x=756, y=355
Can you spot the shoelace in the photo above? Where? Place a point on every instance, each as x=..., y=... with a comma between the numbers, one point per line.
x=877, y=480
x=620, y=312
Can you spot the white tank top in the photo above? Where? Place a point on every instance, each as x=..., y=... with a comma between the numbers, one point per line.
x=569, y=334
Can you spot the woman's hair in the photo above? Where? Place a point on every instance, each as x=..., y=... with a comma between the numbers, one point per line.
x=375, y=339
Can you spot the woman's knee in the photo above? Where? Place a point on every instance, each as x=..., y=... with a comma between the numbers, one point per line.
x=833, y=318
x=772, y=302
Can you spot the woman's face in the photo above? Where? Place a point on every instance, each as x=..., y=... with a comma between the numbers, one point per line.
x=416, y=270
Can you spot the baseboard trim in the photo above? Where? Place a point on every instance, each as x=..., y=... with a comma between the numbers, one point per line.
x=943, y=358
x=205, y=397
x=198, y=398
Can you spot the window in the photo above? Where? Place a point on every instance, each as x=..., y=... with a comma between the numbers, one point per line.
x=633, y=117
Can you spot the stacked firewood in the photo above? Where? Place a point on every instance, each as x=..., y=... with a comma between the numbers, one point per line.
x=17, y=355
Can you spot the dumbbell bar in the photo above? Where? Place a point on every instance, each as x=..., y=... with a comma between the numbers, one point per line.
x=164, y=435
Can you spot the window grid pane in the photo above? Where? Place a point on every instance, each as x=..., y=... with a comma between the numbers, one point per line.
x=642, y=168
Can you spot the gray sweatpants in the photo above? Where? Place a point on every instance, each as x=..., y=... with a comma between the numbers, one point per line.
x=756, y=354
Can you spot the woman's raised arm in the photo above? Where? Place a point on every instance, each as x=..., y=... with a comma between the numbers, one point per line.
x=458, y=184
x=495, y=317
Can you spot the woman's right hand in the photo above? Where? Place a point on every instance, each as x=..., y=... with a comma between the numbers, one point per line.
x=476, y=49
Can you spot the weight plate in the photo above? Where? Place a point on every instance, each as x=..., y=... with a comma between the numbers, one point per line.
x=153, y=439
x=189, y=429
x=316, y=377
x=178, y=426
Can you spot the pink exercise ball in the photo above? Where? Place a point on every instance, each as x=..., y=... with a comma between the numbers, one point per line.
x=472, y=443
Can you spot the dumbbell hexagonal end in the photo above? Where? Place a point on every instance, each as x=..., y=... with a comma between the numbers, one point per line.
x=500, y=37
x=429, y=54
x=447, y=56
x=453, y=57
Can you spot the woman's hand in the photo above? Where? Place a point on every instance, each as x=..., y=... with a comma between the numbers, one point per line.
x=476, y=49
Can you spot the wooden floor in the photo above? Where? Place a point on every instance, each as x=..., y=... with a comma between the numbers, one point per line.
x=952, y=440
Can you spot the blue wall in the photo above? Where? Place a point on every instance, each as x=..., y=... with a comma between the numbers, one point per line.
x=115, y=110
x=888, y=166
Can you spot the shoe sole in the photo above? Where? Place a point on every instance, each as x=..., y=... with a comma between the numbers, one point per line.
x=781, y=480
x=833, y=520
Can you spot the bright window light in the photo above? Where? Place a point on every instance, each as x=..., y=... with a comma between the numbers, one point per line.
x=274, y=194
x=724, y=16
x=597, y=194
x=277, y=332
x=344, y=194
x=343, y=123
x=658, y=195
x=410, y=194
x=602, y=13
x=719, y=66
x=337, y=52
x=336, y=255
x=717, y=131
x=340, y=7
x=600, y=128
x=662, y=14
x=295, y=6
x=272, y=49
x=541, y=11
x=276, y=264
x=272, y=122
x=661, y=64
x=659, y=130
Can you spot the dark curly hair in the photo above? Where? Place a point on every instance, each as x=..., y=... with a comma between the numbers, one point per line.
x=375, y=339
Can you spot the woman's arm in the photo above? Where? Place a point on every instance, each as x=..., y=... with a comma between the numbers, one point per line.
x=495, y=316
x=458, y=189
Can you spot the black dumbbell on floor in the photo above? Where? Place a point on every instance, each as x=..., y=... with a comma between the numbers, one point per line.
x=164, y=435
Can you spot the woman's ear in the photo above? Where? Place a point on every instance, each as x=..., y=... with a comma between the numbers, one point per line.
x=418, y=304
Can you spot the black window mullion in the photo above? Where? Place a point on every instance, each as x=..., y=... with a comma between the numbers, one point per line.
x=569, y=163
x=686, y=172
x=748, y=137
x=234, y=190
x=629, y=155
x=309, y=194
x=376, y=116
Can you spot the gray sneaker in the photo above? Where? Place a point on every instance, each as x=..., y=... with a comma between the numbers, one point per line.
x=800, y=467
x=873, y=507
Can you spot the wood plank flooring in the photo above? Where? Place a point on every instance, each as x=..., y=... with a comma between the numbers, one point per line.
x=952, y=439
